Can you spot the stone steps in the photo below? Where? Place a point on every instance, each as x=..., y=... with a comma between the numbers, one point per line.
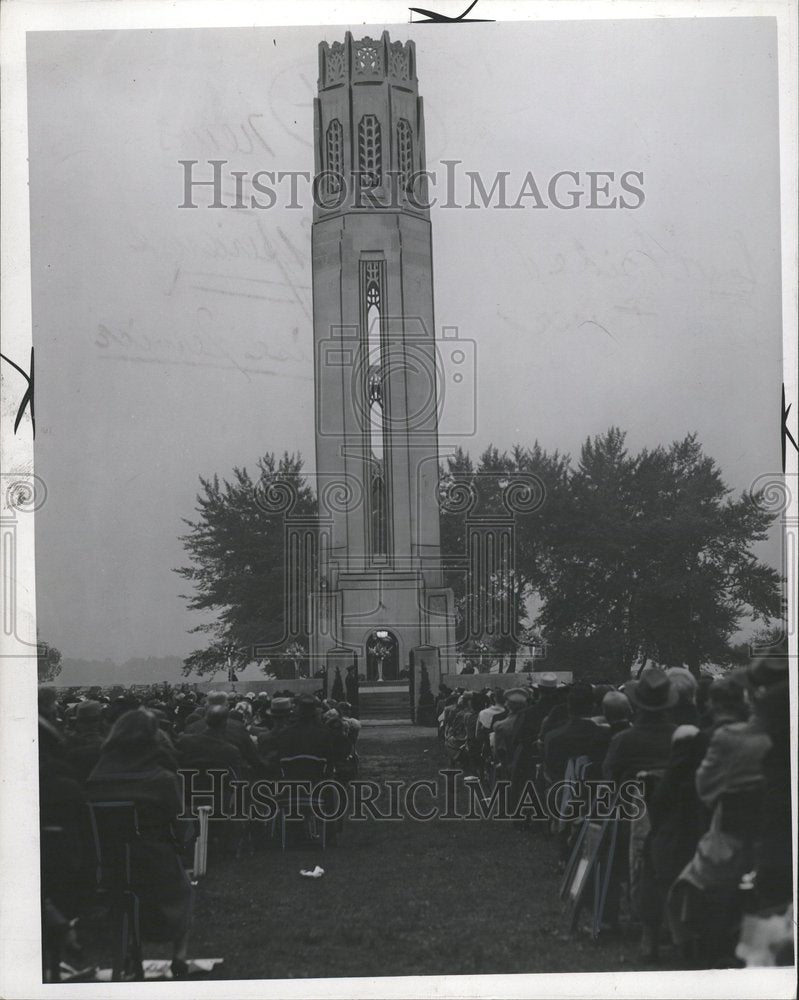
x=384, y=705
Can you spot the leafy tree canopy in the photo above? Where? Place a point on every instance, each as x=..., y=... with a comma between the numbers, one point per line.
x=237, y=551
x=48, y=662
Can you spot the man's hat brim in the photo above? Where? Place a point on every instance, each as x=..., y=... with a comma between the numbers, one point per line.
x=672, y=697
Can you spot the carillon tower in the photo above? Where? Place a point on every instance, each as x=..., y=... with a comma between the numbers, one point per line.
x=380, y=588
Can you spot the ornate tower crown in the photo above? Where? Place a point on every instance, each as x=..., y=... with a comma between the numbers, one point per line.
x=369, y=128
x=366, y=60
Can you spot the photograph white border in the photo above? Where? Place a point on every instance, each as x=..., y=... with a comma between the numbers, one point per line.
x=20, y=965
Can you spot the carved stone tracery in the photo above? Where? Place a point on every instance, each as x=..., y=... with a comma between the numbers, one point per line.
x=368, y=57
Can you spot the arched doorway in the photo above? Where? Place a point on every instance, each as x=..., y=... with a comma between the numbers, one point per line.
x=382, y=656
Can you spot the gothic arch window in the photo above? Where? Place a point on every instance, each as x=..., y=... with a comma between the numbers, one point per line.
x=370, y=164
x=405, y=153
x=334, y=155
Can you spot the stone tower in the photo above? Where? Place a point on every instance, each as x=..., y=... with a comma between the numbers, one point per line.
x=380, y=587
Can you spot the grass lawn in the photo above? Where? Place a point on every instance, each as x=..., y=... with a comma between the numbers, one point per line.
x=397, y=898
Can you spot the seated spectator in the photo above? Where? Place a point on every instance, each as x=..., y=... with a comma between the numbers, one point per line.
x=685, y=712
x=644, y=747
x=233, y=731
x=344, y=768
x=279, y=715
x=773, y=845
x=185, y=703
x=550, y=707
x=209, y=748
x=616, y=711
x=130, y=769
x=197, y=712
x=448, y=710
x=242, y=712
x=459, y=732
x=65, y=853
x=646, y=744
x=83, y=745
x=504, y=733
x=493, y=712
x=730, y=782
x=352, y=726
x=678, y=820
x=260, y=712
x=580, y=736
x=48, y=705
x=307, y=735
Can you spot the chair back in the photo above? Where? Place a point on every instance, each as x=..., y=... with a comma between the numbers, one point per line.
x=303, y=767
x=115, y=827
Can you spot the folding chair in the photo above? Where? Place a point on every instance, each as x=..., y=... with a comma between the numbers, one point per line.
x=228, y=835
x=115, y=827
x=303, y=772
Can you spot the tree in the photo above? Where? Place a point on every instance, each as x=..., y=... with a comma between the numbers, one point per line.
x=651, y=558
x=48, y=662
x=237, y=548
x=337, y=690
x=477, y=503
x=426, y=715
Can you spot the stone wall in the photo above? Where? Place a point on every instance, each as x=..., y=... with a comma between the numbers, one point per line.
x=242, y=687
x=476, y=682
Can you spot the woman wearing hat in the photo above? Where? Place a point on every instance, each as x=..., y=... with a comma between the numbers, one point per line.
x=643, y=748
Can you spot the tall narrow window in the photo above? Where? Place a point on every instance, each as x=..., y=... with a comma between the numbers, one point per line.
x=405, y=153
x=334, y=156
x=370, y=166
x=375, y=393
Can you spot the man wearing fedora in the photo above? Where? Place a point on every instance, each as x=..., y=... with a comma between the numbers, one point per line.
x=279, y=717
x=646, y=745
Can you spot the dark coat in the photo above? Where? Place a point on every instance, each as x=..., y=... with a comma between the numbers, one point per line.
x=206, y=750
x=234, y=732
x=82, y=754
x=558, y=714
x=645, y=746
x=309, y=737
x=678, y=817
x=577, y=738
x=157, y=874
x=66, y=838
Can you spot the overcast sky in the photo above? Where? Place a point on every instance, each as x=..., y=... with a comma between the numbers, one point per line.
x=172, y=343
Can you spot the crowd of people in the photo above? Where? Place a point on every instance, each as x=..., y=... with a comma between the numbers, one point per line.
x=96, y=748
x=712, y=850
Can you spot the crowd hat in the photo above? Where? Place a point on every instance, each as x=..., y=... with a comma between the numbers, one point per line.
x=548, y=680
x=515, y=696
x=768, y=670
x=683, y=680
x=280, y=707
x=653, y=692
x=307, y=704
x=88, y=710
